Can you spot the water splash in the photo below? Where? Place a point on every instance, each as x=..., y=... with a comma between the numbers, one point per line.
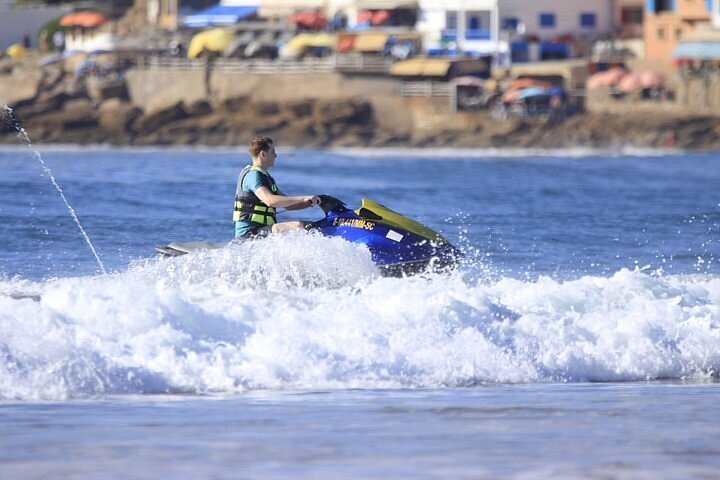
x=13, y=123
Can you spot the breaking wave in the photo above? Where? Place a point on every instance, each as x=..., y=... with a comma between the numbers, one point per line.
x=265, y=315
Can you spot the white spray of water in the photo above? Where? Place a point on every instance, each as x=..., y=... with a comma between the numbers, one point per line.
x=10, y=117
x=275, y=314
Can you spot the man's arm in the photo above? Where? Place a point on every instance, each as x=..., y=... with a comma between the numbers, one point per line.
x=282, y=201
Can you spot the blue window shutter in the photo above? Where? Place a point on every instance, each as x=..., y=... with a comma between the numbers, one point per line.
x=511, y=23
x=588, y=20
x=547, y=20
x=650, y=6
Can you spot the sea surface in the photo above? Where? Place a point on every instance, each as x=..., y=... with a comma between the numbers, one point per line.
x=579, y=338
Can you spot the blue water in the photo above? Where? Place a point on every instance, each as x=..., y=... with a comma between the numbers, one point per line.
x=580, y=338
x=559, y=215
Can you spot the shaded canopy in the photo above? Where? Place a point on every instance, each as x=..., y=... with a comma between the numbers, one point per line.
x=86, y=19
x=439, y=67
x=698, y=50
x=220, y=14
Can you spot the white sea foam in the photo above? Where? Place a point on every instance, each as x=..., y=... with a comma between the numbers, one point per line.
x=440, y=153
x=443, y=153
x=264, y=315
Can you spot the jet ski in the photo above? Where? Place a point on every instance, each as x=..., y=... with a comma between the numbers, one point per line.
x=398, y=245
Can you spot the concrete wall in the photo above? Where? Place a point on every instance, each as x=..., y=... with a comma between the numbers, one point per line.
x=154, y=89
x=700, y=94
x=600, y=101
x=14, y=24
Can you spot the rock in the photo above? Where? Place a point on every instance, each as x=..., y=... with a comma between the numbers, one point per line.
x=160, y=118
x=235, y=104
x=300, y=108
x=77, y=118
x=198, y=108
x=265, y=108
x=77, y=104
x=117, y=116
x=101, y=90
x=19, y=83
x=265, y=125
x=343, y=111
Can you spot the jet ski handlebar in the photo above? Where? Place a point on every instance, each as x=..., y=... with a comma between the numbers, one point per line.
x=329, y=204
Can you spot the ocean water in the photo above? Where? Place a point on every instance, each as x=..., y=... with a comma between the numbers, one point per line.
x=579, y=338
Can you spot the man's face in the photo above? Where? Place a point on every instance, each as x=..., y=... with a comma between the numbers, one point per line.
x=270, y=156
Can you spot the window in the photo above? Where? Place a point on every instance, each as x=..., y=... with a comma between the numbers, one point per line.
x=451, y=20
x=477, y=20
x=510, y=23
x=588, y=20
x=678, y=33
x=661, y=33
x=663, y=6
x=547, y=20
x=631, y=16
x=477, y=25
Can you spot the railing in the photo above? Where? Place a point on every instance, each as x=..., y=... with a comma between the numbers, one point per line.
x=470, y=34
x=357, y=62
x=425, y=89
x=259, y=66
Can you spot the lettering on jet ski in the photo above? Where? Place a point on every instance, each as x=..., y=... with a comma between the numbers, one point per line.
x=353, y=222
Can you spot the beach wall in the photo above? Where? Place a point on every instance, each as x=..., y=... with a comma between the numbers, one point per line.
x=700, y=94
x=155, y=89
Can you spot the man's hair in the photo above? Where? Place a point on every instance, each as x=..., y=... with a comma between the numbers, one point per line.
x=260, y=144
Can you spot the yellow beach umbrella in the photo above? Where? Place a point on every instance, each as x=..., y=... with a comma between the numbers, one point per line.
x=304, y=40
x=16, y=51
x=213, y=40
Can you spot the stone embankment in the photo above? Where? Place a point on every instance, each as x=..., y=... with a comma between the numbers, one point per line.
x=57, y=108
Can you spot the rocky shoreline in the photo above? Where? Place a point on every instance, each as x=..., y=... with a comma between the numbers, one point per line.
x=66, y=111
x=350, y=123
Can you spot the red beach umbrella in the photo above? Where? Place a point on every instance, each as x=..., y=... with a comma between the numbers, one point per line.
x=630, y=83
x=651, y=79
x=86, y=19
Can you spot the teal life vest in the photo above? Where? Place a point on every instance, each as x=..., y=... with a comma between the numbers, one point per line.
x=248, y=207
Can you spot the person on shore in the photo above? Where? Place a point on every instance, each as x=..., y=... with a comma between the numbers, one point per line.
x=257, y=197
x=59, y=41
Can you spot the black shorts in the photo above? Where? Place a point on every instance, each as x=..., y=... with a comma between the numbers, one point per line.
x=258, y=232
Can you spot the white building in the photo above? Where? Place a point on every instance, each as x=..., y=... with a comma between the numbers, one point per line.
x=525, y=30
x=461, y=25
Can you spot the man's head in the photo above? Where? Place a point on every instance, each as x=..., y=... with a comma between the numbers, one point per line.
x=262, y=150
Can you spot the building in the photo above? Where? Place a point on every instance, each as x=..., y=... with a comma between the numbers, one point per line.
x=515, y=30
x=668, y=21
x=454, y=26
x=551, y=30
x=628, y=18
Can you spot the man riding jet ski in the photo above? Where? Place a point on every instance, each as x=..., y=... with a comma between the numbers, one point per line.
x=398, y=245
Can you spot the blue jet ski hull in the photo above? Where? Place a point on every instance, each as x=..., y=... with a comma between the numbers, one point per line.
x=395, y=249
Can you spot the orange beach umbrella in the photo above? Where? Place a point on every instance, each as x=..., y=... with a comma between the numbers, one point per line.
x=83, y=19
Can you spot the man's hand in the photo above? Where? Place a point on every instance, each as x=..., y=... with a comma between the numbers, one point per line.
x=312, y=200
